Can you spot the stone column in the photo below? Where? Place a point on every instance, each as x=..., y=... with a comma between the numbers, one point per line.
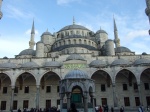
x=114, y=94
x=12, y=98
x=68, y=100
x=85, y=102
x=93, y=103
x=37, y=96
x=140, y=95
x=61, y=100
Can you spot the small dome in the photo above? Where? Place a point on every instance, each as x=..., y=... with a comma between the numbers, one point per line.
x=101, y=31
x=54, y=64
x=75, y=57
x=5, y=57
x=76, y=74
x=7, y=65
x=122, y=49
x=27, y=52
x=74, y=26
x=120, y=62
x=29, y=65
x=144, y=53
x=97, y=63
x=46, y=33
x=141, y=61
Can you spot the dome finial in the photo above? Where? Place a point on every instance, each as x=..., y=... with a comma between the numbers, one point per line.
x=47, y=30
x=73, y=20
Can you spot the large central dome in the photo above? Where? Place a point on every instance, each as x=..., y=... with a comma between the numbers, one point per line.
x=74, y=26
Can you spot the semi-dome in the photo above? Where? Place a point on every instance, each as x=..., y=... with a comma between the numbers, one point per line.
x=7, y=65
x=74, y=26
x=141, y=61
x=122, y=49
x=97, y=64
x=101, y=31
x=120, y=62
x=75, y=57
x=27, y=52
x=76, y=74
x=54, y=64
x=29, y=65
x=46, y=33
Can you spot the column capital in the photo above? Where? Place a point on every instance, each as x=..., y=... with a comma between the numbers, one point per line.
x=113, y=84
x=12, y=87
x=92, y=94
x=68, y=94
x=85, y=94
x=37, y=86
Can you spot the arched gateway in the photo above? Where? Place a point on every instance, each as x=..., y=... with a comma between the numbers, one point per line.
x=78, y=88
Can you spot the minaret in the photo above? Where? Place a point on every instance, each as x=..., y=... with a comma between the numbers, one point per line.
x=31, y=42
x=147, y=10
x=1, y=14
x=116, y=40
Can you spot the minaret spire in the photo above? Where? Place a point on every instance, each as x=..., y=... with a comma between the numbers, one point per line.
x=115, y=26
x=147, y=10
x=31, y=42
x=1, y=14
x=73, y=20
x=33, y=31
x=116, y=40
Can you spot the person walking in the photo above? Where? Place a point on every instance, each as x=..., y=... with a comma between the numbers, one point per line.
x=100, y=109
x=112, y=109
x=122, y=109
x=140, y=109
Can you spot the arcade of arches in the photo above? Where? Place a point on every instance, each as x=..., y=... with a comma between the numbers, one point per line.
x=27, y=90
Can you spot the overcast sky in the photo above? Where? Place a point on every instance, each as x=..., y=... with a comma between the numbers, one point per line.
x=18, y=15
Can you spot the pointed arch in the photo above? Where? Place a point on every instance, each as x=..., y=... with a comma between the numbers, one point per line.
x=102, y=76
x=49, y=78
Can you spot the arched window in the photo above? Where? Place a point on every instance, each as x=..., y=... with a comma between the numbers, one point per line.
x=62, y=35
x=89, y=42
x=80, y=42
x=69, y=41
x=75, y=41
x=71, y=32
x=66, y=33
x=85, y=42
x=59, y=43
x=82, y=33
x=64, y=42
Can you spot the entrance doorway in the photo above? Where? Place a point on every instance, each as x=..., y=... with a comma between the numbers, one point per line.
x=76, y=96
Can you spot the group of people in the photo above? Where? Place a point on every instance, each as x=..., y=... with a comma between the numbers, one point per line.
x=105, y=108
x=52, y=109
